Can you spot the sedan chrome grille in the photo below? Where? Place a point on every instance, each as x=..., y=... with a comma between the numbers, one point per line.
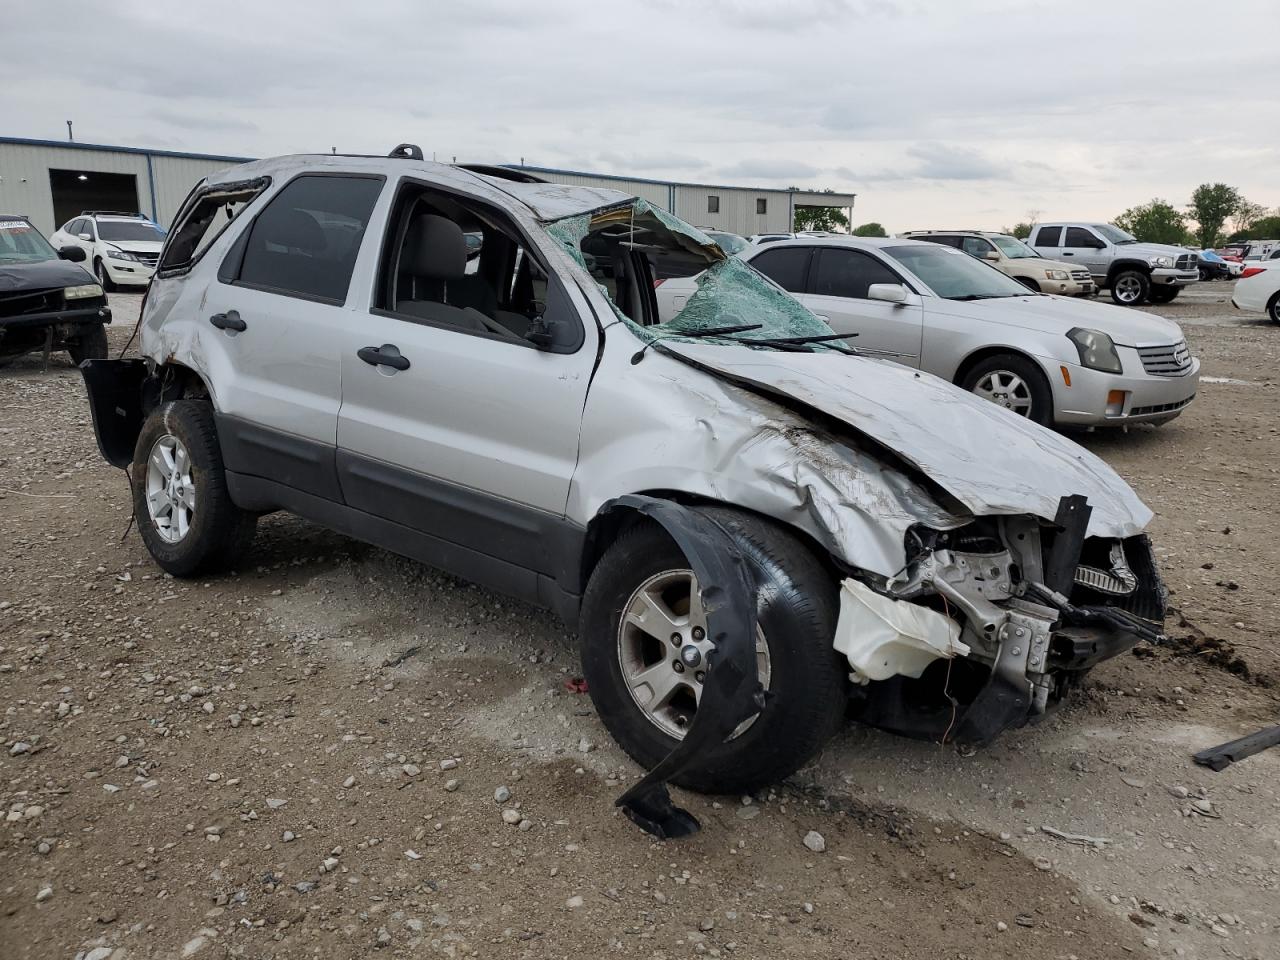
x=1173, y=360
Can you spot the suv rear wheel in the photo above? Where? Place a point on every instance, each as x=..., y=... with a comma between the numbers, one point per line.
x=180, y=500
x=644, y=650
x=1129, y=288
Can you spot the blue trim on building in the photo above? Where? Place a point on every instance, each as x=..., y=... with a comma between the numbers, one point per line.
x=77, y=145
x=151, y=182
x=665, y=183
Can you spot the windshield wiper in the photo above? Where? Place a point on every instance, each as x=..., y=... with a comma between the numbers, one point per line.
x=697, y=335
x=799, y=344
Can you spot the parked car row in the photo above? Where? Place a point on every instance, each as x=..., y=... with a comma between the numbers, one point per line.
x=120, y=248
x=757, y=530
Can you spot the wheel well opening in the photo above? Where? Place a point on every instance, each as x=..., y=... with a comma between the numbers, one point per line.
x=975, y=358
x=1125, y=266
x=605, y=528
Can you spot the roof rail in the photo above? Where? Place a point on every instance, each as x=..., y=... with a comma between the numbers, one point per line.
x=113, y=213
x=407, y=151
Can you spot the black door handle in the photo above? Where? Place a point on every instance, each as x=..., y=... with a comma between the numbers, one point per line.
x=1067, y=253
x=228, y=321
x=387, y=355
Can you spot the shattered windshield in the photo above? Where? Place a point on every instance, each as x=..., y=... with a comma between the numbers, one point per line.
x=731, y=302
x=22, y=243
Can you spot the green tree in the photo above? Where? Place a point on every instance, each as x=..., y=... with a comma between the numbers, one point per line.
x=820, y=218
x=1246, y=215
x=872, y=229
x=1154, y=222
x=1211, y=205
x=1266, y=228
x=1019, y=230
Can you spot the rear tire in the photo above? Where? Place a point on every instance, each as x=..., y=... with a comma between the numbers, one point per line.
x=798, y=606
x=1013, y=382
x=192, y=526
x=1130, y=288
x=90, y=345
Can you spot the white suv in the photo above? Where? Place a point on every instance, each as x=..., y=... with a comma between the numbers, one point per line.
x=120, y=248
x=749, y=526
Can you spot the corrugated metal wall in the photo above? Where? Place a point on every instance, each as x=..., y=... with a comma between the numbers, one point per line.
x=25, y=189
x=737, y=209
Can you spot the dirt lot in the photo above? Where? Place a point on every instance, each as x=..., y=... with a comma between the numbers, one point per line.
x=302, y=759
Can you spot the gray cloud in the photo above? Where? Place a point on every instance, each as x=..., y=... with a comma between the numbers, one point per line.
x=899, y=101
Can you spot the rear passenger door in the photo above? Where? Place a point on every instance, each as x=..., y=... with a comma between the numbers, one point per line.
x=1048, y=242
x=272, y=327
x=836, y=290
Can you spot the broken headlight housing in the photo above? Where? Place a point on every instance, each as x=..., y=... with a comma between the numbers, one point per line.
x=1096, y=349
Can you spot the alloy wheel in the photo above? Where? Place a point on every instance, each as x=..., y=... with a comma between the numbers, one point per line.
x=1007, y=389
x=171, y=493
x=1128, y=290
x=664, y=651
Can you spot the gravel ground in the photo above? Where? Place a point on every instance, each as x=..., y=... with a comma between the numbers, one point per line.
x=337, y=751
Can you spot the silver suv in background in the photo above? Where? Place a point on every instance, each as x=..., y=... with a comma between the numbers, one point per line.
x=754, y=529
x=1134, y=271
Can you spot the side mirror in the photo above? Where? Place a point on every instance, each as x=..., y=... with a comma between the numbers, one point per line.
x=74, y=254
x=992, y=256
x=87, y=237
x=888, y=292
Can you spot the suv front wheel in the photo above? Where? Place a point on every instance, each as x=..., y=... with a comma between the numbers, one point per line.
x=1129, y=288
x=180, y=500
x=645, y=652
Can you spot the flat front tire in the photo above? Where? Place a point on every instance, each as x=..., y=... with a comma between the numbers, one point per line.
x=180, y=500
x=642, y=622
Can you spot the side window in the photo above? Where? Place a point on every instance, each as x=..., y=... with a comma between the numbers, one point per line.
x=88, y=226
x=847, y=273
x=305, y=242
x=976, y=247
x=1049, y=237
x=460, y=264
x=946, y=240
x=201, y=221
x=785, y=266
x=72, y=226
x=1080, y=237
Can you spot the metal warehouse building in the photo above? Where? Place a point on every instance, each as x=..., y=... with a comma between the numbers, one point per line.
x=50, y=181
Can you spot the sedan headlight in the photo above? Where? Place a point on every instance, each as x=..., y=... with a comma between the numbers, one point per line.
x=121, y=255
x=82, y=292
x=1096, y=350
x=1160, y=261
x=1057, y=274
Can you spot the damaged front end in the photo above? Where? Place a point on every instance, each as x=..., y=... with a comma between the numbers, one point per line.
x=990, y=625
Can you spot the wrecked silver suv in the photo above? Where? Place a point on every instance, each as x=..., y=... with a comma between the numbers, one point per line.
x=753, y=527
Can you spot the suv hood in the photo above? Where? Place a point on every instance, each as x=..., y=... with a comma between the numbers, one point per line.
x=1124, y=325
x=1151, y=250
x=42, y=275
x=989, y=459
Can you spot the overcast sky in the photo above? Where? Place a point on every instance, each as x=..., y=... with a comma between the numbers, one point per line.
x=960, y=113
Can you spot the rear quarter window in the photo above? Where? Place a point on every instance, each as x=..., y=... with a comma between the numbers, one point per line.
x=202, y=220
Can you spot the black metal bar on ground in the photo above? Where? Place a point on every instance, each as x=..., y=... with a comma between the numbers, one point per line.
x=1224, y=755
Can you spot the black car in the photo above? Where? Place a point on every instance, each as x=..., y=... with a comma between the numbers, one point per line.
x=47, y=301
